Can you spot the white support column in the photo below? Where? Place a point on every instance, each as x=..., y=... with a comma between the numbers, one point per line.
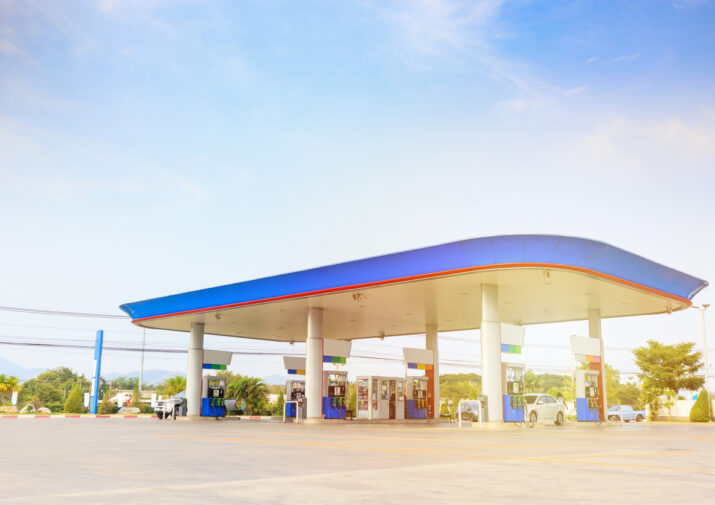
x=314, y=364
x=195, y=370
x=432, y=345
x=491, y=352
x=594, y=331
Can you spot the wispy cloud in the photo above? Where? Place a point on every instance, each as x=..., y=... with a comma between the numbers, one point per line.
x=440, y=26
x=673, y=143
x=626, y=58
x=456, y=29
x=9, y=49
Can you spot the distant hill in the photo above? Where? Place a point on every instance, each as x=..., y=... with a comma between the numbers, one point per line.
x=10, y=368
x=154, y=377
x=274, y=379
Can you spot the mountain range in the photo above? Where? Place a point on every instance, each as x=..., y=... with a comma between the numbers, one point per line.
x=8, y=367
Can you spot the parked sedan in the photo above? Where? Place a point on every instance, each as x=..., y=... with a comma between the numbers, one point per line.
x=544, y=408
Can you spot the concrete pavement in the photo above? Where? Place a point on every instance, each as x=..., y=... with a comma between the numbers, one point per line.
x=111, y=461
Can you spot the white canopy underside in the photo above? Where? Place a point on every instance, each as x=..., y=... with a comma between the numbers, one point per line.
x=526, y=296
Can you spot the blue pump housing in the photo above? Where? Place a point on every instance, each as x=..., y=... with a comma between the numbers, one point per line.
x=512, y=414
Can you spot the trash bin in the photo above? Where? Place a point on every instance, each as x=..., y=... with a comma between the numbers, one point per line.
x=484, y=414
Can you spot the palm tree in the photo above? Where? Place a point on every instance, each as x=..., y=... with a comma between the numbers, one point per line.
x=8, y=384
x=251, y=391
x=172, y=386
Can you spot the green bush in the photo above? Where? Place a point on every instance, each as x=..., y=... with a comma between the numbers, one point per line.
x=106, y=406
x=136, y=398
x=699, y=412
x=74, y=404
x=55, y=407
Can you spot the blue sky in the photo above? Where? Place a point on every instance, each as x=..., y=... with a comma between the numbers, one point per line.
x=150, y=147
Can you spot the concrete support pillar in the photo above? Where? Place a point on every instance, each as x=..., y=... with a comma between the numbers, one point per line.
x=195, y=370
x=314, y=364
x=491, y=352
x=594, y=331
x=432, y=345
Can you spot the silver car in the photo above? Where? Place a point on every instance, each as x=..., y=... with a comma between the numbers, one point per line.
x=544, y=408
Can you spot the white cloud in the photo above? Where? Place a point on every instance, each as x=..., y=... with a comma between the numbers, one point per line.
x=626, y=58
x=622, y=144
x=448, y=29
x=9, y=49
x=592, y=59
x=575, y=91
x=440, y=26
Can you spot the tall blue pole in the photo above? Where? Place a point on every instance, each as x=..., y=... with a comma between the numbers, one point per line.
x=95, y=380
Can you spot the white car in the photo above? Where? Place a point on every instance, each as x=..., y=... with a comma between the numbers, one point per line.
x=544, y=408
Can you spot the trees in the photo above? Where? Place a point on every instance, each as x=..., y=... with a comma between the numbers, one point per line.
x=74, y=404
x=460, y=386
x=51, y=386
x=44, y=392
x=250, y=391
x=278, y=407
x=621, y=394
x=172, y=386
x=8, y=384
x=666, y=369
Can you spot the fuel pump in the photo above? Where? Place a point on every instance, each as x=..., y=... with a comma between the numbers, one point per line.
x=513, y=388
x=213, y=392
x=416, y=394
x=588, y=397
x=295, y=391
x=335, y=385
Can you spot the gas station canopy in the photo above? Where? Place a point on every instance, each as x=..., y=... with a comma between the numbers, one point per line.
x=541, y=279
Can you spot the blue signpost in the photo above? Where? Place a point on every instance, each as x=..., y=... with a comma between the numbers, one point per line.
x=98, y=366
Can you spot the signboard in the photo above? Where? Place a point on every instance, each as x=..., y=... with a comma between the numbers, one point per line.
x=512, y=338
x=420, y=359
x=216, y=360
x=586, y=349
x=339, y=349
x=294, y=365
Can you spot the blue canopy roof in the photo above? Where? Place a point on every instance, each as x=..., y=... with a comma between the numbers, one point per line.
x=507, y=251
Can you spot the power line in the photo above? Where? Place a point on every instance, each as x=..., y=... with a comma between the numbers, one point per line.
x=63, y=313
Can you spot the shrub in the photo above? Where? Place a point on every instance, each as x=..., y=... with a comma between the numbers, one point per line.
x=136, y=398
x=55, y=407
x=74, y=404
x=106, y=406
x=699, y=412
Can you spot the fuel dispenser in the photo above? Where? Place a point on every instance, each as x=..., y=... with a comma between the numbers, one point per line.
x=335, y=381
x=295, y=391
x=335, y=385
x=416, y=394
x=513, y=392
x=590, y=389
x=380, y=397
x=419, y=403
x=588, y=397
x=295, y=388
x=213, y=392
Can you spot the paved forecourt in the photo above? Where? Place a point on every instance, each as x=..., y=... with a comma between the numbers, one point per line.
x=88, y=461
